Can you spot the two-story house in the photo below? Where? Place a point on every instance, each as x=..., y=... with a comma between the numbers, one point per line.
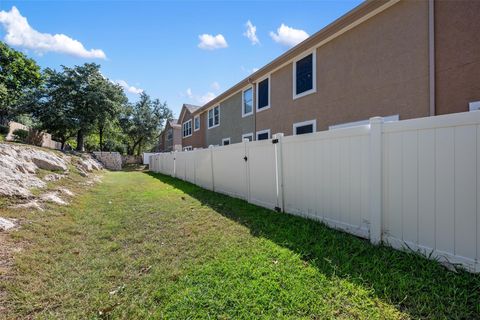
x=193, y=127
x=171, y=137
x=398, y=59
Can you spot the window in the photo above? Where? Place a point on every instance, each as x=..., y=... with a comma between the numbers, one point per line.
x=247, y=106
x=170, y=134
x=225, y=142
x=263, y=94
x=263, y=135
x=196, y=123
x=214, y=117
x=188, y=148
x=305, y=127
x=304, y=76
x=248, y=136
x=187, y=128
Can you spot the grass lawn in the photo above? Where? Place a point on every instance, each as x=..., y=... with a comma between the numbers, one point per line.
x=142, y=245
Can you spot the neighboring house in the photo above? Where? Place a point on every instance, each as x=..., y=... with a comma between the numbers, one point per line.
x=171, y=137
x=231, y=119
x=393, y=58
x=193, y=127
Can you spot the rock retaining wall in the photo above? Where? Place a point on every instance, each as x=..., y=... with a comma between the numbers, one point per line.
x=110, y=160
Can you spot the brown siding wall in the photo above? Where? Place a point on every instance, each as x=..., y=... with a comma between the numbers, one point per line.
x=457, y=55
x=379, y=68
x=197, y=139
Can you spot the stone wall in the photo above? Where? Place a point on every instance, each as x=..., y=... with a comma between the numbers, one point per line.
x=110, y=160
x=47, y=141
x=129, y=159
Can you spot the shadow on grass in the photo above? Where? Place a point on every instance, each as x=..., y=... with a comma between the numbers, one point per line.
x=412, y=283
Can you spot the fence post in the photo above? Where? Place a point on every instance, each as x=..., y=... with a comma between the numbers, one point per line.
x=279, y=171
x=174, y=164
x=211, y=164
x=376, y=125
x=246, y=154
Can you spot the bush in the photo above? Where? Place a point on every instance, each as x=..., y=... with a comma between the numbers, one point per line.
x=4, y=130
x=35, y=138
x=20, y=135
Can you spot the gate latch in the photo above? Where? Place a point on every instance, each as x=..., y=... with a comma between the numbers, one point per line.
x=245, y=158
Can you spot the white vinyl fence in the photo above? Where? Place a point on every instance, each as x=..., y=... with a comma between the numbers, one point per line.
x=412, y=184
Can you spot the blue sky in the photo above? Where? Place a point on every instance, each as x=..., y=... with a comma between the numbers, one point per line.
x=156, y=45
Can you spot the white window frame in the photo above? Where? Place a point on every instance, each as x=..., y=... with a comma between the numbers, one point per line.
x=199, y=123
x=226, y=139
x=244, y=136
x=263, y=131
x=208, y=117
x=314, y=75
x=243, y=102
x=269, y=93
x=305, y=123
x=187, y=148
x=183, y=129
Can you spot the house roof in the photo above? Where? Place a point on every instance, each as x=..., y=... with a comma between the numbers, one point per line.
x=346, y=22
x=173, y=123
x=192, y=108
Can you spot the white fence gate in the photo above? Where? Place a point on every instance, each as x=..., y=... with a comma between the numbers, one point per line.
x=411, y=184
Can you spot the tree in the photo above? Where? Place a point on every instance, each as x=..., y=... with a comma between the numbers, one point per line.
x=109, y=100
x=77, y=101
x=19, y=76
x=52, y=107
x=143, y=121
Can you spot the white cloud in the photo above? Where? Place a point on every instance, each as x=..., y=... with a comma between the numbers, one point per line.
x=128, y=88
x=215, y=86
x=20, y=33
x=288, y=36
x=210, y=42
x=251, y=33
x=202, y=99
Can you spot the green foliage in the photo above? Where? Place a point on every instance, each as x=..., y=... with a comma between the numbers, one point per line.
x=142, y=123
x=20, y=135
x=4, y=130
x=77, y=102
x=19, y=76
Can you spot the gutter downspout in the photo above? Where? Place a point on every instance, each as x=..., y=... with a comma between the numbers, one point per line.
x=431, y=55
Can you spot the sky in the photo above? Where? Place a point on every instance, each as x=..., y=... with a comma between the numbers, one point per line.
x=177, y=51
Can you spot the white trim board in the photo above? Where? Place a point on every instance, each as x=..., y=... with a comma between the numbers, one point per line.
x=362, y=122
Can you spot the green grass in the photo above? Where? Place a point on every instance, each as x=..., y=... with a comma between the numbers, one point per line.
x=142, y=245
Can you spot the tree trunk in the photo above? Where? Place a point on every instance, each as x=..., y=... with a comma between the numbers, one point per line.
x=100, y=134
x=80, y=141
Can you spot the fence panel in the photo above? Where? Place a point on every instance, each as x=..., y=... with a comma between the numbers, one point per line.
x=203, y=168
x=326, y=178
x=181, y=165
x=425, y=173
x=262, y=174
x=230, y=170
x=430, y=192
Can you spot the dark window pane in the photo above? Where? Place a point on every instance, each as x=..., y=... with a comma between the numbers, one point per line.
x=263, y=94
x=226, y=143
x=263, y=136
x=304, y=74
x=304, y=129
